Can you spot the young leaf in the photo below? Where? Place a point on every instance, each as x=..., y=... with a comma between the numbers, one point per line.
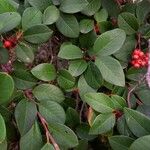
x=109, y=42
x=31, y=17
x=73, y=6
x=137, y=122
x=24, y=53
x=2, y=129
x=69, y=51
x=119, y=102
x=25, y=115
x=9, y=21
x=48, y=92
x=51, y=15
x=128, y=22
x=32, y=140
x=63, y=135
x=141, y=143
x=65, y=79
x=86, y=25
x=101, y=15
x=68, y=25
x=45, y=72
x=99, y=102
x=37, y=34
x=120, y=142
x=6, y=87
x=92, y=7
x=111, y=70
x=103, y=123
x=77, y=67
x=52, y=112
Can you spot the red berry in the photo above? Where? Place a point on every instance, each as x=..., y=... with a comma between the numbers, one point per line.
x=135, y=56
x=7, y=44
x=136, y=65
x=141, y=54
x=143, y=63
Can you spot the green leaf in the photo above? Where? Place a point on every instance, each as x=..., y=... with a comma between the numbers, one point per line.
x=32, y=140
x=141, y=143
x=40, y=4
x=143, y=8
x=68, y=25
x=51, y=15
x=73, y=6
x=52, y=112
x=83, y=132
x=111, y=70
x=99, y=102
x=23, y=79
x=83, y=144
x=72, y=118
x=120, y=142
x=101, y=15
x=9, y=21
x=24, y=53
x=84, y=87
x=128, y=22
x=63, y=135
x=6, y=87
x=137, y=122
x=5, y=6
x=86, y=25
x=31, y=17
x=111, y=7
x=93, y=76
x=2, y=129
x=38, y=34
x=69, y=51
x=119, y=102
x=77, y=67
x=103, y=123
x=4, y=56
x=48, y=92
x=124, y=54
x=144, y=95
x=92, y=7
x=3, y=145
x=109, y=42
x=48, y=146
x=65, y=79
x=25, y=115
x=44, y=71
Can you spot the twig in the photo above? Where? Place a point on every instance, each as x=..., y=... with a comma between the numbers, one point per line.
x=49, y=137
x=82, y=107
x=132, y=89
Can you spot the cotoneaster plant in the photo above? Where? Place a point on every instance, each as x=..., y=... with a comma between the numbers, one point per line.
x=74, y=74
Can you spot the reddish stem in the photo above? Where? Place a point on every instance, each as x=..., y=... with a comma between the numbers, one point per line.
x=49, y=137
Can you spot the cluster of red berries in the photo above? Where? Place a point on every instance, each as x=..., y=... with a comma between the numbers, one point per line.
x=139, y=58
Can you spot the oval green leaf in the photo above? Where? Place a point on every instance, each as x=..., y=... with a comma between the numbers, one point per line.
x=109, y=42
x=111, y=70
x=38, y=34
x=48, y=92
x=45, y=72
x=6, y=87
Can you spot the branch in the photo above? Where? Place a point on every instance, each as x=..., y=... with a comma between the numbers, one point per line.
x=49, y=137
x=132, y=89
